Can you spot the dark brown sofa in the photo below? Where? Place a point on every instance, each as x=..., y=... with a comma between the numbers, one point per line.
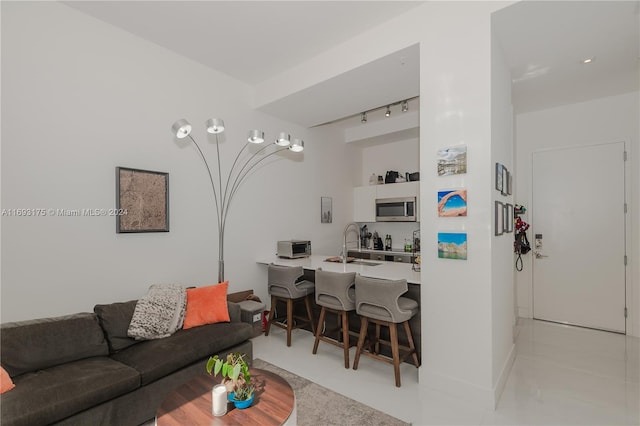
x=82, y=369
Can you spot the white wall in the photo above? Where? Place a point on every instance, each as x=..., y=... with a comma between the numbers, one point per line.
x=609, y=119
x=502, y=269
x=81, y=97
x=401, y=156
x=456, y=109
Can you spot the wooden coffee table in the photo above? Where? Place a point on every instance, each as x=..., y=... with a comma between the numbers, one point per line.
x=190, y=404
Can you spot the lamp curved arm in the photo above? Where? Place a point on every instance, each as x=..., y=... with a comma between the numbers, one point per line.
x=240, y=179
x=215, y=196
x=236, y=180
x=233, y=166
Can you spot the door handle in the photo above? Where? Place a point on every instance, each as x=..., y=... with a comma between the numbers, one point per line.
x=539, y=255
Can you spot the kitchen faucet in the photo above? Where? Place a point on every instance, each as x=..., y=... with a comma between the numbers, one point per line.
x=354, y=226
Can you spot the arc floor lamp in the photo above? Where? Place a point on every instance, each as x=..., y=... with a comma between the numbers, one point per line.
x=224, y=192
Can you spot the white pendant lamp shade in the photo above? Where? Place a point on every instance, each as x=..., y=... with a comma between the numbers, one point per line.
x=181, y=128
x=255, y=136
x=283, y=139
x=215, y=125
x=297, y=145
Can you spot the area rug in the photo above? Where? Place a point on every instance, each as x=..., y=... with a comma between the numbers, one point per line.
x=317, y=405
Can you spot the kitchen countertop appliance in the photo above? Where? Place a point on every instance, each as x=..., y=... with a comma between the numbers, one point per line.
x=293, y=249
x=396, y=209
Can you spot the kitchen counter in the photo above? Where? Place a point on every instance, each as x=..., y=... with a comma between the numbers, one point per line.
x=386, y=270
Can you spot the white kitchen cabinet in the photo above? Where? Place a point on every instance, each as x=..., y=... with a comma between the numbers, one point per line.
x=397, y=190
x=364, y=203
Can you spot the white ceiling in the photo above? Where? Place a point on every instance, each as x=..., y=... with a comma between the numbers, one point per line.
x=251, y=41
x=543, y=42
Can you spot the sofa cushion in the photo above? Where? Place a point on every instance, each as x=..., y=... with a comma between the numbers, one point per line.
x=157, y=358
x=206, y=305
x=50, y=395
x=35, y=344
x=115, y=319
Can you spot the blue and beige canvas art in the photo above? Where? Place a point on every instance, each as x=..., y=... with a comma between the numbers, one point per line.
x=452, y=245
x=452, y=203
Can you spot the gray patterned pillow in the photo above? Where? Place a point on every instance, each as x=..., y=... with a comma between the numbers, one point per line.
x=160, y=313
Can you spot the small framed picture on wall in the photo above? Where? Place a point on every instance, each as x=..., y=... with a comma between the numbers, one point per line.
x=326, y=210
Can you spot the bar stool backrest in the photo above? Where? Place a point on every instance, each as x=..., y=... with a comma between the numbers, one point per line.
x=379, y=299
x=336, y=290
x=282, y=281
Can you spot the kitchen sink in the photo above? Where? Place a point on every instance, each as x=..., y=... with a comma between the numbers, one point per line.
x=365, y=263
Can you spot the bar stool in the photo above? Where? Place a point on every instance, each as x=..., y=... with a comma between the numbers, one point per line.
x=284, y=286
x=335, y=292
x=379, y=301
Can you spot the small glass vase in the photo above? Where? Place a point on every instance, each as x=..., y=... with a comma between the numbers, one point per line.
x=219, y=400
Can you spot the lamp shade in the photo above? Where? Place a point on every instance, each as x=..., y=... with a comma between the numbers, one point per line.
x=283, y=139
x=181, y=128
x=297, y=145
x=255, y=136
x=215, y=125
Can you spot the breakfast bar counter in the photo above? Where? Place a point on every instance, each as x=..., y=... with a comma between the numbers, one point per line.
x=366, y=268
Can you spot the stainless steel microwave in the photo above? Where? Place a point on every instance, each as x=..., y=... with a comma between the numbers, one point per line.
x=396, y=209
x=294, y=248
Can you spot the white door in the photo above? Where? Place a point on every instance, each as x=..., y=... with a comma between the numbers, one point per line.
x=578, y=236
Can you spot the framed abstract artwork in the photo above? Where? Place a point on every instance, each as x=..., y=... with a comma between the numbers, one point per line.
x=143, y=198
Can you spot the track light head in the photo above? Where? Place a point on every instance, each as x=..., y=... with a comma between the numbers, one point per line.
x=405, y=106
x=388, y=113
x=363, y=117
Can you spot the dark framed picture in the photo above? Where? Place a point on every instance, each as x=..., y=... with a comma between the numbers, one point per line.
x=142, y=201
x=499, y=218
x=508, y=218
x=499, y=177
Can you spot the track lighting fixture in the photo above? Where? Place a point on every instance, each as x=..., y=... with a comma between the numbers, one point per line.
x=404, y=103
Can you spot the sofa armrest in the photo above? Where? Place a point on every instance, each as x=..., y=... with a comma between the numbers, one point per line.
x=234, y=312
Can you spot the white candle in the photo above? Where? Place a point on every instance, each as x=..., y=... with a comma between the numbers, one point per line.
x=219, y=400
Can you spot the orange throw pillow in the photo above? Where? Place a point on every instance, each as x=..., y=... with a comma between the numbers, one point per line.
x=206, y=305
x=6, y=384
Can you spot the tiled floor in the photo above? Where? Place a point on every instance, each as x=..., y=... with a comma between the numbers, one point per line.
x=561, y=376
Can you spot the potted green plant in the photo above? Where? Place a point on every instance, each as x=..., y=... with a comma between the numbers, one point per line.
x=234, y=370
x=243, y=396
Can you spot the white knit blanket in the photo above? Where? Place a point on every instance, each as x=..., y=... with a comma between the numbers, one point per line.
x=160, y=313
